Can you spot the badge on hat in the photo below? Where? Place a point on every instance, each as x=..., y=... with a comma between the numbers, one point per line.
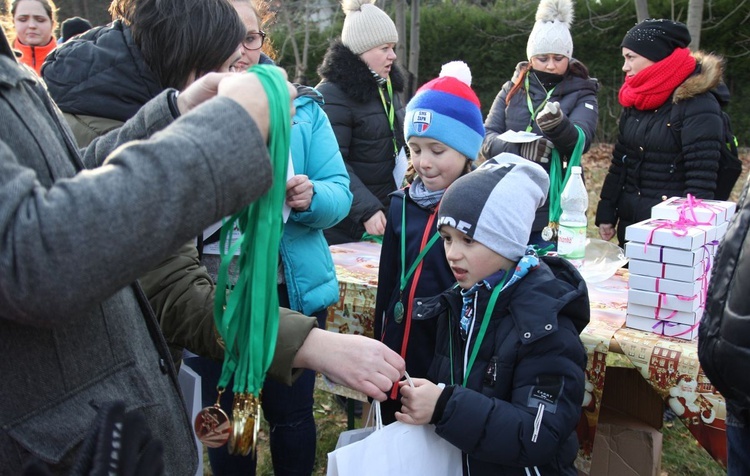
x=422, y=120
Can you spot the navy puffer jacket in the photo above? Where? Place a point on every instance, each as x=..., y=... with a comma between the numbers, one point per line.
x=576, y=94
x=531, y=354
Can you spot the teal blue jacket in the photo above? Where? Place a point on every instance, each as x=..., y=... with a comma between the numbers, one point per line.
x=308, y=267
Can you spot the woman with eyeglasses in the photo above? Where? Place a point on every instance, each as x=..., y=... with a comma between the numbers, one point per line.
x=319, y=197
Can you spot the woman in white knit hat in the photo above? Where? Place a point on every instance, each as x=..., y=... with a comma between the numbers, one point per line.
x=361, y=85
x=549, y=95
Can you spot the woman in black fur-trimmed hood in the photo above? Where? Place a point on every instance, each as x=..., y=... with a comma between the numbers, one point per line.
x=360, y=86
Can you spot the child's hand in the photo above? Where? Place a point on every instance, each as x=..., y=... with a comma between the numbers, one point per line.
x=418, y=403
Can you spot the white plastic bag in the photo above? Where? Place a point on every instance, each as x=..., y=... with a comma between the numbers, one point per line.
x=397, y=448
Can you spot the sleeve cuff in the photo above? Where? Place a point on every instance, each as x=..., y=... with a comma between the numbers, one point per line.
x=445, y=395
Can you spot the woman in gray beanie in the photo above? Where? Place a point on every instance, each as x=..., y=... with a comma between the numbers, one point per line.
x=361, y=85
x=670, y=128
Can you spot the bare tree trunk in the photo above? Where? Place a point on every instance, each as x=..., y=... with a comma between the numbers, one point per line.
x=298, y=71
x=694, y=21
x=301, y=71
x=401, y=29
x=413, y=50
x=641, y=10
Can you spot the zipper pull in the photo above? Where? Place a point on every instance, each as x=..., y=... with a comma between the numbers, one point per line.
x=537, y=422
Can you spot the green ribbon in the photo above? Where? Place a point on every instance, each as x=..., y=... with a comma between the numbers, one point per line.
x=556, y=180
x=247, y=317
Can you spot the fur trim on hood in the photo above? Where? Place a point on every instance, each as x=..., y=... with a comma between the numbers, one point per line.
x=708, y=76
x=347, y=70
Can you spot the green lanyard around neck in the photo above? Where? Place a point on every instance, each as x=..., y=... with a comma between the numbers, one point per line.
x=529, y=104
x=556, y=180
x=482, y=329
x=247, y=319
x=389, y=110
x=405, y=276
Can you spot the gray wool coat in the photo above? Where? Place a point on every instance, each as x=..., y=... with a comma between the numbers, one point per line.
x=73, y=331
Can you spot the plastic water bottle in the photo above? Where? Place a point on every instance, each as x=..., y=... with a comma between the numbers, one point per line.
x=571, y=236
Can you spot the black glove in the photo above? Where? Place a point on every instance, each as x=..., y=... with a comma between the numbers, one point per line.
x=119, y=444
x=549, y=117
x=537, y=151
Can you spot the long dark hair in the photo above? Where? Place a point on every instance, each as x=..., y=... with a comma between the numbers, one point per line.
x=180, y=37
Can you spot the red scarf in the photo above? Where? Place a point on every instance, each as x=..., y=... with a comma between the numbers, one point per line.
x=652, y=86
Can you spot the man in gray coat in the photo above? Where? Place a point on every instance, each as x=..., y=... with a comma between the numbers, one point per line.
x=76, y=331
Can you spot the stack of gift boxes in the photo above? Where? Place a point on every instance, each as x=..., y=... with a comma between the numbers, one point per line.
x=671, y=255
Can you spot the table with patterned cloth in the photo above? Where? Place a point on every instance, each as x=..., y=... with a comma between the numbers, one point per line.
x=669, y=365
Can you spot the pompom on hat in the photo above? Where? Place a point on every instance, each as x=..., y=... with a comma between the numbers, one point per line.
x=656, y=39
x=495, y=204
x=447, y=109
x=366, y=26
x=551, y=32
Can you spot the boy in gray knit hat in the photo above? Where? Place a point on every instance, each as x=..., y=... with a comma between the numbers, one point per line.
x=507, y=380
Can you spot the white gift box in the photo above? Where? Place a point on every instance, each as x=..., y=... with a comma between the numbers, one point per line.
x=664, y=254
x=666, y=233
x=667, y=270
x=680, y=317
x=662, y=285
x=721, y=230
x=665, y=301
x=665, y=328
x=713, y=212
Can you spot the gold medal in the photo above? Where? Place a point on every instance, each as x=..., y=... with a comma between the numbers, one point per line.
x=549, y=233
x=212, y=426
x=398, y=312
x=245, y=424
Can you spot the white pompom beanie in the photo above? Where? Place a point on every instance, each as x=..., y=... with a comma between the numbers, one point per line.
x=551, y=32
x=366, y=26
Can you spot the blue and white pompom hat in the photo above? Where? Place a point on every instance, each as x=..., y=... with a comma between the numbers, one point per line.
x=447, y=109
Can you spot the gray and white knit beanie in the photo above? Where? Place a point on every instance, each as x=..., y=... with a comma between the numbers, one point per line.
x=366, y=26
x=551, y=32
x=495, y=204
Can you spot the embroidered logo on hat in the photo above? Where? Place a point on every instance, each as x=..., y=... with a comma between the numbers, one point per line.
x=422, y=121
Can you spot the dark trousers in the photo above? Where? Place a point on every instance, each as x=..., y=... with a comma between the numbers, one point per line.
x=288, y=410
x=738, y=449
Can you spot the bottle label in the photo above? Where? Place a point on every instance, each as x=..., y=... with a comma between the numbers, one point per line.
x=571, y=242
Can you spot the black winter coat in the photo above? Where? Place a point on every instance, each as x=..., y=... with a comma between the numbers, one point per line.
x=576, y=94
x=652, y=162
x=356, y=112
x=724, y=333
x=532, y=349
x=101, y=73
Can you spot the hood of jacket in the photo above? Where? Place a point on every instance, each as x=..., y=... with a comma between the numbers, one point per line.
x=307, y=94
x=100, y=73
x=347, y=70
x=555, y=288
x=707, y=76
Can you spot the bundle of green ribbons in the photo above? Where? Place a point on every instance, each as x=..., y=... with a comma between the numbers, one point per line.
x=247, y=317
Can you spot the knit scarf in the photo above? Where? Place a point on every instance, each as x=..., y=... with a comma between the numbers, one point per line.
x=652, y=86
x=422, y=196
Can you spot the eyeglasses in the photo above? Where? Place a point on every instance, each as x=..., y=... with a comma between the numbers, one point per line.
x=254, y=41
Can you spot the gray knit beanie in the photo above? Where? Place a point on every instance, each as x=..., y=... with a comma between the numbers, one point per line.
x=551, y=32
x=366, y=26
x=495, y=204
